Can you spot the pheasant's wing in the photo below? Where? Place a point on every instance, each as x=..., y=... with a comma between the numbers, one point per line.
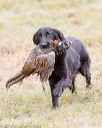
x=49, y=67
x=32, y=62
x=40, y=63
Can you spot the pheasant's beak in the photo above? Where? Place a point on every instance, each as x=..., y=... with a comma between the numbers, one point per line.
x=65, y=44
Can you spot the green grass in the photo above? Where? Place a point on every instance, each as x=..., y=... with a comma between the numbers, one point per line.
x=26, y=105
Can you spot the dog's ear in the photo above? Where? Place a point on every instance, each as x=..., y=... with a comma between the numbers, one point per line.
x=59, y=34
x=35, y=38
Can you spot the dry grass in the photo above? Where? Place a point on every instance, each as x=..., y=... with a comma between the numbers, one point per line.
x=26, y=105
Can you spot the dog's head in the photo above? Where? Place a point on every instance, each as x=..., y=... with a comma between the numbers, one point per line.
x=44, y=34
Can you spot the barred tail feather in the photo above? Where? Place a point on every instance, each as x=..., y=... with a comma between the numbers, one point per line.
x=17, y=78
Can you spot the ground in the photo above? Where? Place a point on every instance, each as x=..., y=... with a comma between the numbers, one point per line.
x=26, y=105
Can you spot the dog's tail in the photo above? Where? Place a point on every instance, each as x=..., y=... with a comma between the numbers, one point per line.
x=17, y=78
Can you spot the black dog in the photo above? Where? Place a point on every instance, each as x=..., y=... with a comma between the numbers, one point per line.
x=67, y=65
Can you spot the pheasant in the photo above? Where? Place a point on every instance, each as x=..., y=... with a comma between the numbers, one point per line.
x=40, y=61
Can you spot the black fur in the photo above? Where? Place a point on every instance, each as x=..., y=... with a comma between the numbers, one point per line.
x=67, y=65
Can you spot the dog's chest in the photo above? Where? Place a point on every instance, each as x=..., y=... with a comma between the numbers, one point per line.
x=59, y=68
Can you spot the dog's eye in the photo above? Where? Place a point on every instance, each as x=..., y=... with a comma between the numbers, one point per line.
x=47, y=33
x=40, y=35
x=54, y=37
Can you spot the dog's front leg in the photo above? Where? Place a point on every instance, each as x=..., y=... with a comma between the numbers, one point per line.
x=52, y=84
x=61, y=85
x=59, y=88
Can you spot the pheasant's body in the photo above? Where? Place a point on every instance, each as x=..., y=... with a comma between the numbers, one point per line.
x=40, y=61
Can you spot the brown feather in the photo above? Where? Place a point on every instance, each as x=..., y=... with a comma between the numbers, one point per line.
x=38, y=62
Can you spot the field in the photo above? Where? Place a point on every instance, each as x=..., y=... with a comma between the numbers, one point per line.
x=25, y=105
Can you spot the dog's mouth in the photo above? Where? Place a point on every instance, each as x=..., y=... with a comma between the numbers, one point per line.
x=59, y=47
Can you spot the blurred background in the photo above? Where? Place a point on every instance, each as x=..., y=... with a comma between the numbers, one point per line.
x=19, y=20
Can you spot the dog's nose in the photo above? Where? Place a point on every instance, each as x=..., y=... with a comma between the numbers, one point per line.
x=44, y=46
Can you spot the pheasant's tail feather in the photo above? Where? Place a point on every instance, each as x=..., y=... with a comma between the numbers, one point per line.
x=17, y=78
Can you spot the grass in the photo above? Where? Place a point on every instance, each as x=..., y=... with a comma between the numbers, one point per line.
x=26, y=105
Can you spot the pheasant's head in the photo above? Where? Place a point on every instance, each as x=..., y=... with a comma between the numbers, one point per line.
x=59, y=46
